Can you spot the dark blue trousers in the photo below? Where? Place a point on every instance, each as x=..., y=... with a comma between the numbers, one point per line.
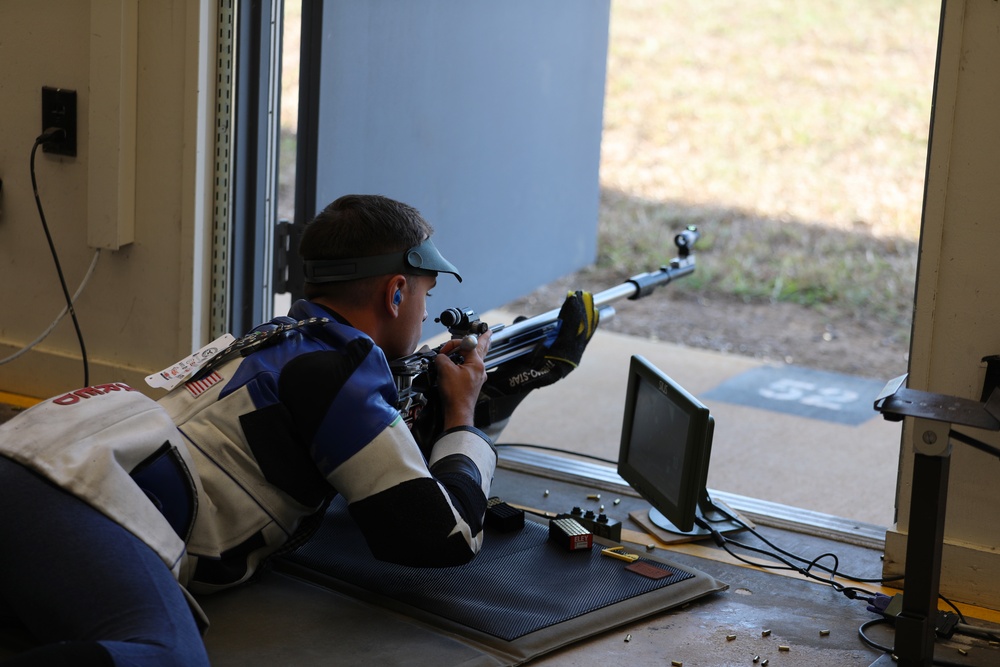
x=87, y=590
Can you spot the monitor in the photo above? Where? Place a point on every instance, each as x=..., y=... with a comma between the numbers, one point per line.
x=666, y=445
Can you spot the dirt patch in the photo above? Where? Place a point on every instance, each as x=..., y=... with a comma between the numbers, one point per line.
x=782, y=333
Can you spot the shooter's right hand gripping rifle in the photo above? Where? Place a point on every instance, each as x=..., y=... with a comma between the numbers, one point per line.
x=414, y=373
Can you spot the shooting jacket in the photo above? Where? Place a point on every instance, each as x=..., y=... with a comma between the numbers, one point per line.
x=226, y=469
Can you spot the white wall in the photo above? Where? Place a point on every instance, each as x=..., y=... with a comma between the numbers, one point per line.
x=956, y=320
x=142, y=309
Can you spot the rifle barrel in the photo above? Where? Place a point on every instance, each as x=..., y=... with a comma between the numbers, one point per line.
x=635, y=287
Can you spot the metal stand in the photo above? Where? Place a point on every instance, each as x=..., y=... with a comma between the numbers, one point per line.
x=932, y=415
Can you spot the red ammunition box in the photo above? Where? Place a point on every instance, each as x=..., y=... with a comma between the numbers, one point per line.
x=570, y=535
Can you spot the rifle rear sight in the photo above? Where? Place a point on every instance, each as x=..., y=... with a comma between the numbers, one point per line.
x=462, y=322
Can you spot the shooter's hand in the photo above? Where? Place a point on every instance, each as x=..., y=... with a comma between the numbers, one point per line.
x=508, y=384
x=451, y=399
x=461, y=383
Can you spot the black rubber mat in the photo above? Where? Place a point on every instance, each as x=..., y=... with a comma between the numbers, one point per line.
x=519, y=583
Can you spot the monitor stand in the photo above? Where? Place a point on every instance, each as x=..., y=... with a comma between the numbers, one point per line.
x=707, y=512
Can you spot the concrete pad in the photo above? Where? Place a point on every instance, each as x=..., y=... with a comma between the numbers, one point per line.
x=816, y=464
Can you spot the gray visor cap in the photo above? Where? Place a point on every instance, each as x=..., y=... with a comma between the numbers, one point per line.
x=422, y=260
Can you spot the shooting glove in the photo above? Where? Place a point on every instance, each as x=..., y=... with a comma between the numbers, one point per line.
x=507, y=385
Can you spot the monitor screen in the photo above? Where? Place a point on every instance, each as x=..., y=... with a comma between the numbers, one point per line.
x=666, y=445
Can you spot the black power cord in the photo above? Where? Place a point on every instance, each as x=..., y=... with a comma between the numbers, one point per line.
x=556, y=449
x=788, y=560
x=50, y=135
x=875, y=600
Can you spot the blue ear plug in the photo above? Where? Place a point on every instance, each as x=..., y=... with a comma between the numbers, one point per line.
x=396, y=298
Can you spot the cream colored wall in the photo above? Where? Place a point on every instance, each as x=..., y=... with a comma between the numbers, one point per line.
x=143, y=307
x=957, y=319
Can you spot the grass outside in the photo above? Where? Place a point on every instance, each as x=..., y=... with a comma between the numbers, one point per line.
x=793, y=134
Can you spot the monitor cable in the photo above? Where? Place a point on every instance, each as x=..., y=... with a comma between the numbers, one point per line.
x=556, y=449
x=877, y=602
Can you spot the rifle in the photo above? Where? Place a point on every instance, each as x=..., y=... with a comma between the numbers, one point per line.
x=414, y=373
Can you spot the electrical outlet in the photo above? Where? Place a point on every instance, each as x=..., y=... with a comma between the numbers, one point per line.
x=59, y=111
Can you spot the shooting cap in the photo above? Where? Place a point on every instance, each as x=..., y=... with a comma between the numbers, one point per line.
x=422, y=260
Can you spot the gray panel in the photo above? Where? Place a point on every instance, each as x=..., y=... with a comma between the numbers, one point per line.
x=486, y=116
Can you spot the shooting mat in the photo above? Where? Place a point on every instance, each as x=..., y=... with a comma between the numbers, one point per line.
x=521, y=597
